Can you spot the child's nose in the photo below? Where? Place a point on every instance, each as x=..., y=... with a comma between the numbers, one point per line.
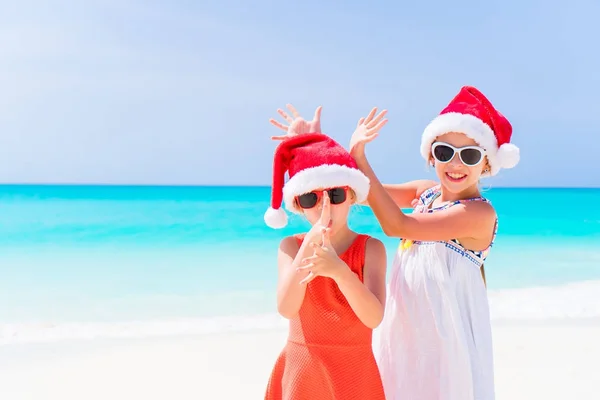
x=456, y=161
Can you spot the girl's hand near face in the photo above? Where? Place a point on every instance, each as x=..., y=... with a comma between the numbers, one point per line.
x=324, y=262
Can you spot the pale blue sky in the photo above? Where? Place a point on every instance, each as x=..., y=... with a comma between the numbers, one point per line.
x=180, y=92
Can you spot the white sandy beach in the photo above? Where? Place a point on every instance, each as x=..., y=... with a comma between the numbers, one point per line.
x=534, y=360
x=547, y=346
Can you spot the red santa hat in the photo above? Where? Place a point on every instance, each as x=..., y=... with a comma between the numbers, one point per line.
x=313, y=161
x=471, y=113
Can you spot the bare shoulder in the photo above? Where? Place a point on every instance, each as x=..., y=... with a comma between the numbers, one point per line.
x=375, y=250
x=480, y=209
x=480, y=219
x=289, y=245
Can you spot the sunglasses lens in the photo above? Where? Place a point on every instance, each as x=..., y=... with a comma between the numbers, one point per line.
x=443, y=153
x=308, y=200
x=337, y=195
x=470, y=156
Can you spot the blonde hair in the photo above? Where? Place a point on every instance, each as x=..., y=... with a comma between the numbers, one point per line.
x=352, y=195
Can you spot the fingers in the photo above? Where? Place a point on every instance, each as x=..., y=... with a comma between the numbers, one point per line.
x=308, y=278
x=310, y=260
x=376, y=119
x=377, y=127
x=326, y=235
x=313, y=262
x=278, y=124
x=282, y=137
x=285, y=115
x=317, y=117
x=306, y=267
x=360, y=122
x=311, y=273
x=326, y=210
x=370, y=116
x=319, y=249
x=293, y=110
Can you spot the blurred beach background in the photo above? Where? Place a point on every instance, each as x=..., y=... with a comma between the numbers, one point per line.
x=135, y=169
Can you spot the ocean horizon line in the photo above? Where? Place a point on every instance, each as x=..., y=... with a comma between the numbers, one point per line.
x=234, y=186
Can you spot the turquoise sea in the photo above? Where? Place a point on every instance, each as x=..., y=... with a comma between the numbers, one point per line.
x=94, y=257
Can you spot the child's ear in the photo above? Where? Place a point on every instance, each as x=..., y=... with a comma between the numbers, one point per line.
x=353, y=196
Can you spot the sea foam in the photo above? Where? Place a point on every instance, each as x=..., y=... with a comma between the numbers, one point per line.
x=576, y=300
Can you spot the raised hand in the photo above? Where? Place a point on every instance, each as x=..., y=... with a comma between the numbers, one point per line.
x=315, y=235
x=324, y=262
x=367, y=129
x=297, y=125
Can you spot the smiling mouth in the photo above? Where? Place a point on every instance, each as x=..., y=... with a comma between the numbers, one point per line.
x=455, y=177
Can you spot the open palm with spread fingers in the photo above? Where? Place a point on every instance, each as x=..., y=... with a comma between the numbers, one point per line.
x=367, y=129
x=297, y=124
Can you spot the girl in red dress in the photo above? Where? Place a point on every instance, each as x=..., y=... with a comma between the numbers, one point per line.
x=331, y=283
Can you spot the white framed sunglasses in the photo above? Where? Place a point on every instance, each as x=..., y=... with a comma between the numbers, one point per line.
x=469, y=155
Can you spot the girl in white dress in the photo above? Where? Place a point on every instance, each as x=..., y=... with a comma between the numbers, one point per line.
x=435, y=340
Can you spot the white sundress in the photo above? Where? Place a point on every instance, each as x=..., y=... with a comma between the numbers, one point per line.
x=435, y=340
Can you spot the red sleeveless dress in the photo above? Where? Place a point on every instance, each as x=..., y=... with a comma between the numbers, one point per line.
x=328, y=355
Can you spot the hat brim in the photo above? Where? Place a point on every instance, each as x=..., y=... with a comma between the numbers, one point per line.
x=324, y=177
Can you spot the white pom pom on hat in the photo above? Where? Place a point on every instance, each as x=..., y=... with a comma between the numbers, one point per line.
x=508, y=155
x=275, y=218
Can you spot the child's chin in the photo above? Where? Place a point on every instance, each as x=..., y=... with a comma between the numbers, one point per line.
x=454, y=186
x=335, y=227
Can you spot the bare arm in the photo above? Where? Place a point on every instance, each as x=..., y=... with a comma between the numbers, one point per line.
x=473, y=220
x=403, y=194
x=367, y=300
x=290, y=294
